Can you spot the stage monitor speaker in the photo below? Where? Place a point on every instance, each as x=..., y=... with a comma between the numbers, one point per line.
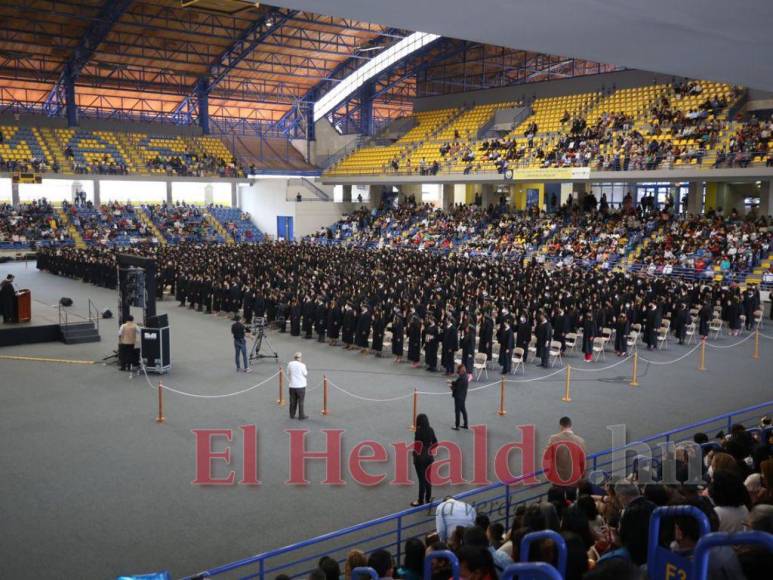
x=158, y=321
x=155, y=348
x=107, y=314
x=65, y=301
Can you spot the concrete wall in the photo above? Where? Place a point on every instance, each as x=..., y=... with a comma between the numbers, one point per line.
x=265, y=199
x=591, y=83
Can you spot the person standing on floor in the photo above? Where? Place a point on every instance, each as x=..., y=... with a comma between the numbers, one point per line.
x=239, y=332
x=424, y=441
x=459, y=393
x=296, y=382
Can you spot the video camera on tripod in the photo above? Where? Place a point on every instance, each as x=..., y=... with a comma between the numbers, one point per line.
x=259, y=332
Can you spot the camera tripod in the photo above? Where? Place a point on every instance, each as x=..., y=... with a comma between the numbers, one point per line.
x=257, y=344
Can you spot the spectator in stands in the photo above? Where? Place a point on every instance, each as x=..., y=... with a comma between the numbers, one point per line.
x=730, y=499
x=381, y=562
x=413, y=562
x=355, y=559
x=330, y=568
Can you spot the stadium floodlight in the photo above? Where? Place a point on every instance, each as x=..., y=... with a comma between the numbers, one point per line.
x=370, y=69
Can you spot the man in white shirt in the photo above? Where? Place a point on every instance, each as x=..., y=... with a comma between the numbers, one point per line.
x=296, y=377
x=450, y=514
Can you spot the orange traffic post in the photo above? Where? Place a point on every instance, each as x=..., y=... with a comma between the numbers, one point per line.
x=702, y=366
x=415, y=409
x=567, y=397
x=324, y=395
x=281, y=400
x=160, y=418
x=501, y=411
x=634, y=378
x=756, y=344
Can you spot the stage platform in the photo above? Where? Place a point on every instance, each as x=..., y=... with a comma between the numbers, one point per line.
x=44, y=326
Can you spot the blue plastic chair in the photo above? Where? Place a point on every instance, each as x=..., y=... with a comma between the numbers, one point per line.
x=662, y=562
x=164, y=575
x=709, y=541
x=528, y=539
x=532, y=569
x=441, y=555
x=364, y=571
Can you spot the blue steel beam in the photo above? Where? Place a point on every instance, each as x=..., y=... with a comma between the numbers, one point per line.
x=63, y=92
x=242, y=47
x=291, y=120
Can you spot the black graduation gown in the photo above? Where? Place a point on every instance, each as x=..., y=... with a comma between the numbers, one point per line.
x=486, y=340
x=431, y=340
x=8, y=302
x=468, y=348
x=295, y=320
x=589, y=332
x=334, y=322
x=347, y=328
x=398, y=336
x=378, y=333
x=506, y=346
x=704, y=319
x=308, y=318
x=544, y=334
x=450, y=345
x=414, y=341
x=622, y=328
x=363, y=329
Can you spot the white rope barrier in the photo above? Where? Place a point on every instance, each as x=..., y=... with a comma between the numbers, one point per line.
x=730, y=345
x=561, y=370
x=370, y=400
x=766, y=336
x=602, y=369
x=198, y=396
x=670, y=362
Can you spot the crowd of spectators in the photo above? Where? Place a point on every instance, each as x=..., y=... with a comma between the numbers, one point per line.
x=193, y=164
x=108, y=223
x=605, y=527
x=696, y=242
x=31, y=223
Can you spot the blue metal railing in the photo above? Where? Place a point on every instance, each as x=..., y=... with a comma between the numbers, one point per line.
x=497, y=500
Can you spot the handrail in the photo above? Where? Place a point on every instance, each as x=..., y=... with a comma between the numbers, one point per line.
x=592, y=460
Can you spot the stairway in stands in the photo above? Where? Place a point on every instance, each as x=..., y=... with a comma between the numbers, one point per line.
x=755, y=276
x=129, y=151
x=55, y=148
x=142, y=213
x=64, y=219
x=219, y=228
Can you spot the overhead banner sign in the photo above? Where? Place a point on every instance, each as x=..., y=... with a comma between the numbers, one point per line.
x=560, y=173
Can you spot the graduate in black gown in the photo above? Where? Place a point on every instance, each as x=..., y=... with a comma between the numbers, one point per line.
x=398, y=336
x=622, y=328
x=379, y=324
x=414, y=341
x=431, y=340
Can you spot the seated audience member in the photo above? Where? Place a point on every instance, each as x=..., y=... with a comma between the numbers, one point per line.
x=355, y=559
x=730, y=499
x=757, y=562
x=413, y=562
x=450, y=514
x=381, y=562
x=330, y=568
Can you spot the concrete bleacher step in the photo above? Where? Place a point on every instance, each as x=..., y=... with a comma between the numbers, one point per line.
x=80, y=333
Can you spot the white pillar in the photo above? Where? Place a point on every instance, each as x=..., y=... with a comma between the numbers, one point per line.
x=97, y=195
x=695, y=198
x=209, y=195
x=766, y=198
x=169, y=192
x=14, y=193
x=234, y=195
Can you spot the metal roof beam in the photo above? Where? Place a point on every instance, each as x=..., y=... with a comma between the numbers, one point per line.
x=108, y=15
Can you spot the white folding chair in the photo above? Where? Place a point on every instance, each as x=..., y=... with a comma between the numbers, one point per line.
x=758, y=319
x=555, y=353
x=632, y=339
x=480, y=365
x=606, y=334
x=533, y=345
x=570, y=341
x=689, y=332
x=518, y=361
x=598, y=348
x=663, y=337
x=715, y=326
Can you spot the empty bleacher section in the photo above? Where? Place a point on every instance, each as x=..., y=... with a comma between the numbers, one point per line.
x=267, y=153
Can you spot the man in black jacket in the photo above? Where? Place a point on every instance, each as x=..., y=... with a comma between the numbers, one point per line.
x=459, y=393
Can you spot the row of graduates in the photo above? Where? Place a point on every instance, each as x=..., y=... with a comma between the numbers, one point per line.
x=435, y=305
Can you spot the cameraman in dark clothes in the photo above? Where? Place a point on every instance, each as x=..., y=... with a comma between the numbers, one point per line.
x=238, y=330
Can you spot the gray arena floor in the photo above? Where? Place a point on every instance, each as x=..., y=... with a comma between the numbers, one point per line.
x=92, y=486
